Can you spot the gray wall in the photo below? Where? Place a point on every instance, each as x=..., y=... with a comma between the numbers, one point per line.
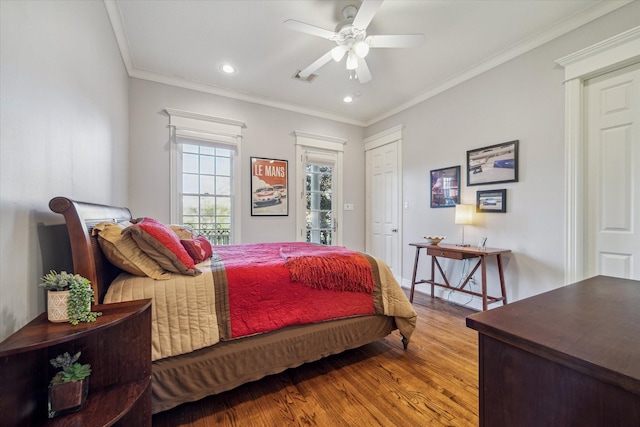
x=268, y=134
x=63, y=131
x=524, y=100
x=66, y=104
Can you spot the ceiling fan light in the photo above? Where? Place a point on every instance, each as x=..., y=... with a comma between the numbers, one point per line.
x=361, y=48
x=352, y=61
x=338, y=52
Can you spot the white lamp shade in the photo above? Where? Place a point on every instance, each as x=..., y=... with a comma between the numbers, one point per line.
x=361, y=48
x=352, y=61
x=464, y=214
x=338, y=52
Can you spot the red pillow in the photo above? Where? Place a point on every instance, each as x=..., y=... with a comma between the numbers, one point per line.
x=199, y=248
x=162, y=244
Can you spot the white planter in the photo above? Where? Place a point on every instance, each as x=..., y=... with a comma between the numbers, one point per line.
x=57, y=306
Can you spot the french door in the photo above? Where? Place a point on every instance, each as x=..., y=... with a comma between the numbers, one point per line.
x=319, y=212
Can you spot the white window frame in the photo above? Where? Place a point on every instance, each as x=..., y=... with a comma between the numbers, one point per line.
x=319, y=145
x=203, y=129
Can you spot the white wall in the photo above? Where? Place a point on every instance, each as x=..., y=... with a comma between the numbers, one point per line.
x=522, y=99
x=63, y=131
x=269, y=133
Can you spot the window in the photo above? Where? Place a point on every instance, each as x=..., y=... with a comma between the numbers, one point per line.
x=206, y=196
x=205, y=182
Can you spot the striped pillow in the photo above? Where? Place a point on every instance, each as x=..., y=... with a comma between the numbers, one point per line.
x=123, y=252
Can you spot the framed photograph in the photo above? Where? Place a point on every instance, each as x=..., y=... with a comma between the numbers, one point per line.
x=269, y=187
x=445, y=187
x=491, y=201
x=493, y=164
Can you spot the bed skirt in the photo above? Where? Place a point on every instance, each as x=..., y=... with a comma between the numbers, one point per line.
x=228, y=364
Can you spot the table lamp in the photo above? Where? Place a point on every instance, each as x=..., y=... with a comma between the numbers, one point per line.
x=464, y=216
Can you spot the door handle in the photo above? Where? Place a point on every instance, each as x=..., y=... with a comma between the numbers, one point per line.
x=394, y=230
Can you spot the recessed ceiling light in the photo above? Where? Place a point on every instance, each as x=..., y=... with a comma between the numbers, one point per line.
x=228, y=69
x=347, y=99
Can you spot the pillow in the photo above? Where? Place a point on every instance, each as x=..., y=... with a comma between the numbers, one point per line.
x=123, y=252
x=163, y=245
x=199, y=248
x=183, y=231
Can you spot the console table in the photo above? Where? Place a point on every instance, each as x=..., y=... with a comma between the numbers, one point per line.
x=568, y=357
x=460, y=253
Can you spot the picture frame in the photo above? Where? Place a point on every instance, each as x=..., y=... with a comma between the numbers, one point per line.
x=491, y=201
x=445, y=187
x=269, y=182
x=493, y=164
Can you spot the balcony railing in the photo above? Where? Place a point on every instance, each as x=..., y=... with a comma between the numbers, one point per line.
x=217, y=237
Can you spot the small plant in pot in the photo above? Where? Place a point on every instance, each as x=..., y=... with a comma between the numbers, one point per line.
x=69, y=387
x=69, y=298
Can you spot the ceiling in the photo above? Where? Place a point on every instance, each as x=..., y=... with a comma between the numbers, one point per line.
x=183, y=43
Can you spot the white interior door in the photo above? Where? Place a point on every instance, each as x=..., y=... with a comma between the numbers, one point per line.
x=383, y=208
x=612, y=223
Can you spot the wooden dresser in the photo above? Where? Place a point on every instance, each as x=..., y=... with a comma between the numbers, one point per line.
x=568, y=357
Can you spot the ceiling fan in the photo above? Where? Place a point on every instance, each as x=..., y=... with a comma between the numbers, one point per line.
x=351, y=38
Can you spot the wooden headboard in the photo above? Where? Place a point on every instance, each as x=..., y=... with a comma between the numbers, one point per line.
x=88, y=259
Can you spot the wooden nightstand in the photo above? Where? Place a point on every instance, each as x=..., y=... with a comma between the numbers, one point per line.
x=118, y=347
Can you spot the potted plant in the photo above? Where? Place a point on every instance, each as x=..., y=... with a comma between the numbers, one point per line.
x=69, y=298
x=69, y=387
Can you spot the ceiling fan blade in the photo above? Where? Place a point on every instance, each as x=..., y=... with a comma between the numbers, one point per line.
x=364, y=75
x=367, y=11
x=409, y=40
x=315, y=65
x=309, y=29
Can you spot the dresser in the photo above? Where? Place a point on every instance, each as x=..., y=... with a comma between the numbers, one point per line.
x=567, y=357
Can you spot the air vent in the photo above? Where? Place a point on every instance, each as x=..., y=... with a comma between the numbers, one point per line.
x=309, y=79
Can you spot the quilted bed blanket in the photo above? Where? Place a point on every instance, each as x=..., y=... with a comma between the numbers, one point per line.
x=256, y=288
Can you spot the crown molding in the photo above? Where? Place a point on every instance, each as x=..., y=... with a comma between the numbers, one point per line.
x=598, y=10
x=555, y=31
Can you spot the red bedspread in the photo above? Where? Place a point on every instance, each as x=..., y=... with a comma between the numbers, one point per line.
x=262, y=297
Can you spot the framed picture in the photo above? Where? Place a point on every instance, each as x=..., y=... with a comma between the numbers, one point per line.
x=493, y=164
x=269, y=187
x=445, y=187
x=491, y=201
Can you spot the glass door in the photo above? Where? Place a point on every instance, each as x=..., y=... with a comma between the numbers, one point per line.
x=320, y=218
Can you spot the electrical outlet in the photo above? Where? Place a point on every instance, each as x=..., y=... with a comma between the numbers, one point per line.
x=348, y=206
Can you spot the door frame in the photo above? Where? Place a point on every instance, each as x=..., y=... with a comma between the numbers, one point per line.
x=614, y=53
x=385, y=137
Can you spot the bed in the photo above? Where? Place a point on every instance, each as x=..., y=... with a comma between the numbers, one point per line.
x=202, y=370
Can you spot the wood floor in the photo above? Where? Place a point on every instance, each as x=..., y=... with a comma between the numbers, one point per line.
x=433, y=383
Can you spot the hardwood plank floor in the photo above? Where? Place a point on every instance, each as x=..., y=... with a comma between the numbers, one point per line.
x=433, y=383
